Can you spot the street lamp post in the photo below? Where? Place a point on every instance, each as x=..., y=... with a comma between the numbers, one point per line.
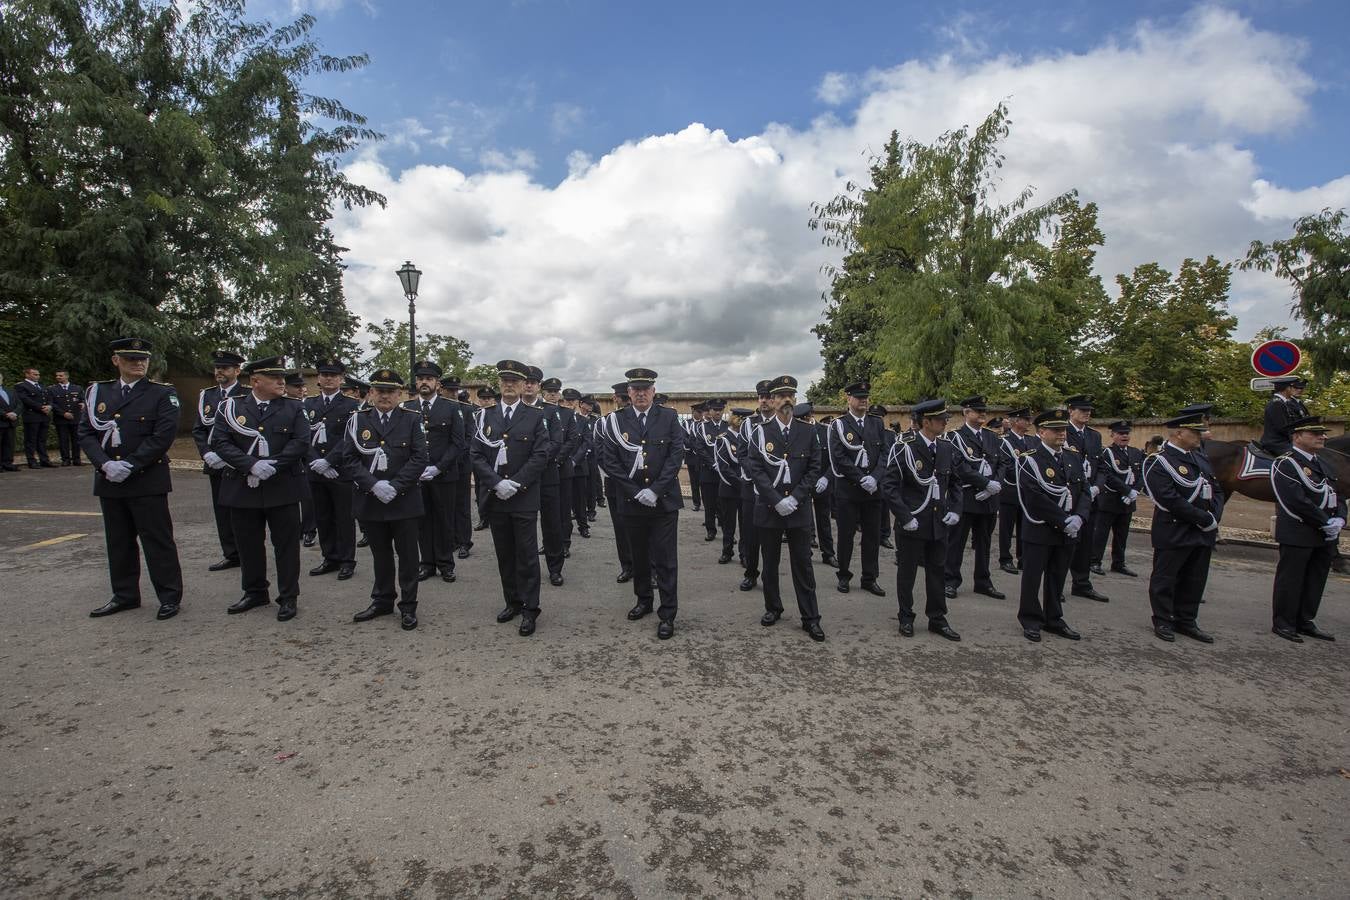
x=409, y=275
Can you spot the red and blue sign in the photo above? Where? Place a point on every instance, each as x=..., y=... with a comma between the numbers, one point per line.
x=1275, y=358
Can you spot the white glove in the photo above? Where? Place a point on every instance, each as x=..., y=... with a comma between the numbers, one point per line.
x=384, y=491
x=263, y=469
x=116, y=470
x=821, y=484
x=1094, y=491
x=868, y=484
x=320, y=466
x=1072, y=524
x=982, y=495
x=1213, y=524
x=212, y=459
x=429, y=473
x=1131, y=496
x=786, y=507
x=330, y=472
x=951, y=518
x=912, y=525
x=506, y=489
x=647, y=497
x=993, y=487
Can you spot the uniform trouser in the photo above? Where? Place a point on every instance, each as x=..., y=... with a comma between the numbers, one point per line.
x=598, y=486
x=1300, y=579
x=463, y=518
x=388, y=540
x=224, y=530
x=1177, y=584
x=982, y=527
x=849, y=516
x=885, y=524
x=1081, y=563
x=7, y=446
x=1116, y=526
x=581, y=497
x=550, y=523
x=621, y=542
x=653, y=539
x=67, y=438
x=251, y=526
x=127, y=520
x=566, y=488
x=307, y=523
x=799, y=561
x=436, y=533
x=712, y=514
x=1044, y=567
x=333, y=516
x=516, y=543
x=35, y=441
x=930, y=555
x=1009, y=532
x=750, y=539
x=728, y=510
x=824, y=534
x=695, y=486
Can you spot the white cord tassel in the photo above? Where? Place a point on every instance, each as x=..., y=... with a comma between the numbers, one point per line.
x=112, y=434
x=379, y=460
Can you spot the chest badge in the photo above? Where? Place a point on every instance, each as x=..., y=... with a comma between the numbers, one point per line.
x=850, y=436
x=1049, y=471
x=1307, y=471
x=918, y=464
x=241, y=419
x=365, y=434
x=1183, y=470
x=487, y=430
x=625, y=435
x=769, y=447
x=207, y=408
x=103, y=407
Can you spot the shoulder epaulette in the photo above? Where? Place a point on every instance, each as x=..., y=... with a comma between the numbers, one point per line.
x=1031, y=452
x=1068, y=446
x=907, y=437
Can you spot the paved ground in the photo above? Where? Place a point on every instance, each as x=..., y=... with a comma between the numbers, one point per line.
x=147, y=758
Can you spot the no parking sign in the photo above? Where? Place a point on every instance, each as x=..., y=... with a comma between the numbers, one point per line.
x=1275, y=358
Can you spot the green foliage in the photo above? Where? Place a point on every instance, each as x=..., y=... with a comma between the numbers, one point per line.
x=164, y=173
x=389, y=349
x=1316, y=260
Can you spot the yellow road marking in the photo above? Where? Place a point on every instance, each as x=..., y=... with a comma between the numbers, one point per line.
x=46, y=512
x=53, y=541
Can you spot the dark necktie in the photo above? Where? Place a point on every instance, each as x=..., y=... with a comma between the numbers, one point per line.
x=126, y=391
x=426, y=407
x=786, y=429
x=384, y=420
x=262, y=408
x=642, y=422
x=506, y=417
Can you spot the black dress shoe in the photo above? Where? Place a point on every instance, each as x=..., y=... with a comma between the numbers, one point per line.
x=10, y=468
x=1288, y=634
x=815, y=544
x=373, y=611
x=841, y=586
x=77, y=463
x=625, y=575
x=345, y=571
x=1195, y=633
x=1091, y=594
x=245, y=603
x=638, y=612
x=600, y=502
x=223, y=565
x=555, y=579
x=425, y=572
x=1125, y=570
x=710, y=536
x=873, y=588
x=584, y=531
x=1032, y=635
x=286, y=611
x=907, y=629
x=1165, y=632
x=567, y=553
x=1009, y=568
x=463, y=553
x=944, y=630
x=481, y=526
x=770, y=617
x=1312, y=631
x=992, y=592
x=363, y=542
x=409, y=621
x=1064, y=631
x=886, y=542
x=830, y=561
x=112, y=606
x=748, y=583
x=448, y=576
x=813, y=628
x=949, y=593
x=590, y=516
x=665, y=631
x=526, y=626
x=1097, y=569
x=167, y=611
x=698, y=508
x=324, y=568
x=724, y=559
x=507, y=614
x=311, y=539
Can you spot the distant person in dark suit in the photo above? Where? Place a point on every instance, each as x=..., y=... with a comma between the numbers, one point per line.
x=67, y=402
x=37, y=416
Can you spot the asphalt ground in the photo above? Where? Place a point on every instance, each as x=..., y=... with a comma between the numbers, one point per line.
x=237, y=756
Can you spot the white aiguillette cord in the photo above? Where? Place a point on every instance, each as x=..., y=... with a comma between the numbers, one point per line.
x=226, y=411
x=930, y=482
x=1328, y=495
x=784, y=475
x=1064, y=498
x=861, y=449
x=610, y=425
x=112, y=434
x=499, y=444
x=1199, y=487
x=379, y=460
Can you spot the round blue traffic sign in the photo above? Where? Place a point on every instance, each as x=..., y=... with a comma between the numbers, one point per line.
x=1275, y=358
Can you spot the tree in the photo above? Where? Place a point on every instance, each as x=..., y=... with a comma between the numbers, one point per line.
x=1316, y=260
x=389, y=349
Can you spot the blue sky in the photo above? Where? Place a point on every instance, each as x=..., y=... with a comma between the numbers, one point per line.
x=639, y=175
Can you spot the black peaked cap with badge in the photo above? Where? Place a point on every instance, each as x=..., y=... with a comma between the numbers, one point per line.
x=130, y=347
x=640, y=377
x=226, y=358
x=268, y=365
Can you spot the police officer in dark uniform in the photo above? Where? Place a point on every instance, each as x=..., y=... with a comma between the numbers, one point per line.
x=1310, y=513
x=595, y=490
x=1121, y=467
x=1013, y=442
x=550, y=484
x=510, y=449
x=642, y=450
x=727, y=468
x=67, y=402
x=978, y=450
x=693, y=462
x=888, y=438
x=127, y=429
x=1083, y=439
x=309, y=531
x=443, y=428
x=822, y=498
x=750, y=542
x=578, y=469
x=385, y=456
x=1282, y=411
x=1053, y=492
x=225, y=364
x=855, y=446
x=922, y=485
x=569, y=431
x=328, y=415
x=784, y=463
x=37, y=411
x=463, y=518
x=621, y=542
x=9, y=417
x=703, y=435
x=1187, y=508
x=263, y=437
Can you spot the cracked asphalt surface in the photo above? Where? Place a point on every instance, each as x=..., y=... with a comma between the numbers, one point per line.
x=147, y=758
